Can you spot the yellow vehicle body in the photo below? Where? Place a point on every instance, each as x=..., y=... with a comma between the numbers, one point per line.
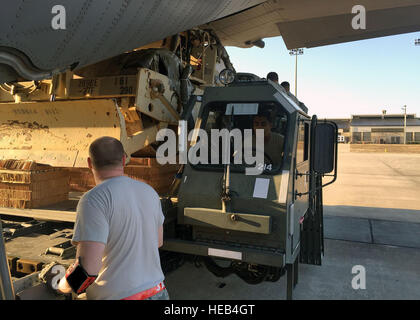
x=59, y=133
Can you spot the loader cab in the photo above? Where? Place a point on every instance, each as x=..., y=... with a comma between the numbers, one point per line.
x=249, y=184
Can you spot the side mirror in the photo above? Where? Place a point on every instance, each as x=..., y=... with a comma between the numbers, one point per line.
x=324, y=147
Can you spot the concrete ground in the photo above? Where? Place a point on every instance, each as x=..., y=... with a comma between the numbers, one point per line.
x=391, y=273
x=372, y=219
x=376, y=180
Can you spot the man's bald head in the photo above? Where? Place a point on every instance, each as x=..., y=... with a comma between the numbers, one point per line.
x=106, y=153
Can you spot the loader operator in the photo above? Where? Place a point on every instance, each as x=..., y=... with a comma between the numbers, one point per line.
x=118, y=230
x=273, y=141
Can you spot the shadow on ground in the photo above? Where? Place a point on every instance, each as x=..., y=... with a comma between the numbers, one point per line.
x=403, y=215
x=354, y=236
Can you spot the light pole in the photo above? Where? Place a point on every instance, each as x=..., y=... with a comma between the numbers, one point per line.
x=405, y=123
x=296, y=52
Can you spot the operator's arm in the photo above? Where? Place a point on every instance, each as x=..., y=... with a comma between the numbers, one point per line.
x=90, y=253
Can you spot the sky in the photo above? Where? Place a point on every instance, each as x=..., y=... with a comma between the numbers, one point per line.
x=337, y=81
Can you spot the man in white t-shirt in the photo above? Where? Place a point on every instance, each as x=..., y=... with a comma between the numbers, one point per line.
x=118, y=232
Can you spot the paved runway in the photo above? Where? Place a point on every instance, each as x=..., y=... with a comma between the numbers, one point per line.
x=389, y=252
x=376, y=180
x=372, y=219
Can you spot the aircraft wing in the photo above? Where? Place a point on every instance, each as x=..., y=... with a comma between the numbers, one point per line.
x=33, y=47
x=97, y=29
x=312, y=23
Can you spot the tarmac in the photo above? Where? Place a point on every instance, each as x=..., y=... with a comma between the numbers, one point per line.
x=371, y=228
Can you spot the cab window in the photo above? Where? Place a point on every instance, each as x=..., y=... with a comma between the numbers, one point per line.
x=302, y=149
x=246, y=118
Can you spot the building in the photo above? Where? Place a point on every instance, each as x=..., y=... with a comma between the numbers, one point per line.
x=384, y=128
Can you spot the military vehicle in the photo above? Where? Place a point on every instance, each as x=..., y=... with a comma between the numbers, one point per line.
x=263, y=223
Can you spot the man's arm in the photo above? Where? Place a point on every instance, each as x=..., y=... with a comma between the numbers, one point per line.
x=90, y=253
x=160, y=232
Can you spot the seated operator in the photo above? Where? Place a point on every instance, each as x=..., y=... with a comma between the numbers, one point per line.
x=273, y=141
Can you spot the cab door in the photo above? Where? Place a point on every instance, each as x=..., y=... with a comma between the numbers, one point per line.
x=301, y=188
x=312, y=227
